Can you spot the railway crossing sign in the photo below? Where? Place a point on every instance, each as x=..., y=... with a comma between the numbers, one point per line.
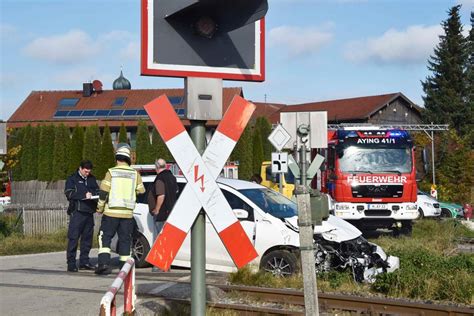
x=279, y=162
x=201, y=189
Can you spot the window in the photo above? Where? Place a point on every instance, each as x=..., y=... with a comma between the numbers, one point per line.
x=141, y=112
x=68, y=102
x=119, y=101
x=236, y=203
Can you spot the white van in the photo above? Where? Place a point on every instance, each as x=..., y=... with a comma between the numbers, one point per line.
x=427, y=205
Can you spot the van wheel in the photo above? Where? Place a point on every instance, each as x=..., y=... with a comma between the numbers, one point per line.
x=445, y=213
x=421, y=215
x=140, y=249
x=279, y=263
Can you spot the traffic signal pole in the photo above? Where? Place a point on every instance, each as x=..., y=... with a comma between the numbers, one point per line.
x=198, y=236
x=308, y=264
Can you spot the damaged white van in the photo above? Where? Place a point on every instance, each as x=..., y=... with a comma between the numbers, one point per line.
x=270, y=221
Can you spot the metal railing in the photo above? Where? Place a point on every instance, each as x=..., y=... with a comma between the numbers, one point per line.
x=125, y=277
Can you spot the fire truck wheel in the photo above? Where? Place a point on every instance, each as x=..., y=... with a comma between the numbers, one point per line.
x=140, y=249
x=280, y=263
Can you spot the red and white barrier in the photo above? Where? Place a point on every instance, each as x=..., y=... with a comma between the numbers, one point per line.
x=201, y=189
x=126, y=276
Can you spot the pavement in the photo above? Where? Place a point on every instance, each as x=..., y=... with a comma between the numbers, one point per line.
x=38, y=284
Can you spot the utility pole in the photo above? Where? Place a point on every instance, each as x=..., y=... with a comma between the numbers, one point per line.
x=308, y=267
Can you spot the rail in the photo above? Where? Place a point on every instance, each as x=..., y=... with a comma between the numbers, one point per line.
x=126, y=276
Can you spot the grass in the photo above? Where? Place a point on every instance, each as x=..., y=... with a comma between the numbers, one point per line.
x=429, y=268
x=16, y=244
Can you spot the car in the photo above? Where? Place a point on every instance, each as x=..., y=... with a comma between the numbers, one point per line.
x=270, y=221
x=451, y=210
x=427, y=205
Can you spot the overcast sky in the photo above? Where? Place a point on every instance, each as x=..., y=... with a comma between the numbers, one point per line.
x=316, y=49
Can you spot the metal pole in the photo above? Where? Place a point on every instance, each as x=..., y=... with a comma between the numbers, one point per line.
x=433, y=157
x=198, y=237
x=306, y=240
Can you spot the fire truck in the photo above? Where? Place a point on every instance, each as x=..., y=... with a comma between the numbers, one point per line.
x=371, y=176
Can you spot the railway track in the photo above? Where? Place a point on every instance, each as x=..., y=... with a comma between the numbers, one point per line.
x=249, y=300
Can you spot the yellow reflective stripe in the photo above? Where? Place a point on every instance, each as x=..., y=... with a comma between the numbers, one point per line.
x=105, y=182
x=104, y=250
x=99, y=239
x=119, y=213
x=124, y=258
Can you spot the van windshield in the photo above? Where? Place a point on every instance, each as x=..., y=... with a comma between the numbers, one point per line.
x=271, y=202
x=358, y=159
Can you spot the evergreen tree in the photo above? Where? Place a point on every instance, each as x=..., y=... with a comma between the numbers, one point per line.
x=243, y=154
x=107, y=155
x=123, y=134
x=29, y=155
x=257, y=150
x=77, y=148
x=143, y=151
x=15, y=140
x=265, y=128
x=60, y=163
x=46, y=152
x=469, y=126
x=159, y=148
x=92, y=140
x=445, y=89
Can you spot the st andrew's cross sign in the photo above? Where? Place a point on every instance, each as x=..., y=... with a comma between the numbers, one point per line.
x=201, y=189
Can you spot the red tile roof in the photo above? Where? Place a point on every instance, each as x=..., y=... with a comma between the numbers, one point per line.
x=348, y=109
x=40, y=106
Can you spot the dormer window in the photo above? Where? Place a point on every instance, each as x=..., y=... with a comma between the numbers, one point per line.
x=68, y=102
x=120, y=101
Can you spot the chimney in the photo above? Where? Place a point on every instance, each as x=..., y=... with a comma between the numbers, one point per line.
x=87, y=89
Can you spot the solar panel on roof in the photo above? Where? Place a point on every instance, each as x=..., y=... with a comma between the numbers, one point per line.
x=74, y=113
x=61, y=113
x=130, y=112
x=115, y=112
x=175, y=100
x=141, y=112
x=102, y=113
x=89, y=113
x=68, y=102
x=180, y=112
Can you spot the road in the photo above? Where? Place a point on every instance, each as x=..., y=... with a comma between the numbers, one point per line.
x=38, y=284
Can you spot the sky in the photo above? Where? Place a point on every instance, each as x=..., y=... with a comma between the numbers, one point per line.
x=315, y=49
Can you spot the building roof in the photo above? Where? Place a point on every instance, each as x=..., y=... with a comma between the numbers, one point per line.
x=267, y=109
x=41, y=106
x=351, y=109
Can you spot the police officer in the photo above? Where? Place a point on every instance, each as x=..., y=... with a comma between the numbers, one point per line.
x=80, y=188
x=117, y=198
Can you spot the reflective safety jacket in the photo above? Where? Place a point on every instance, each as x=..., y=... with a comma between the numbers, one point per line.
x=122, y=183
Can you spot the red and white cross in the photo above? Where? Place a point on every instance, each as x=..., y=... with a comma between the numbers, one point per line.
x=201, y=189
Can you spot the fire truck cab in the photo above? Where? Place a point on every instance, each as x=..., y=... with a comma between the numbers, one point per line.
x=370, y=173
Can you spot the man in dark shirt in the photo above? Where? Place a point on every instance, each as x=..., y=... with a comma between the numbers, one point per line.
x=162, y=196
x=80, y=189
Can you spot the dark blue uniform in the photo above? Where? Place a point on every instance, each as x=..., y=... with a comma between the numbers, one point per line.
x=81, y=224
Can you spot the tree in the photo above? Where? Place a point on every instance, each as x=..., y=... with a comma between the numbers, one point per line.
x=29, y=155
x=257, y=150
x=159, y=148
x=107, y=154
x=469, y=127
x=445, y=89
x=123, y=134
x=13, y=157
x=46, y=152
x=77, y=148
x=265, y=128
x=243, y=154
x=62, y=142
x=143, y=151
x=92, y=140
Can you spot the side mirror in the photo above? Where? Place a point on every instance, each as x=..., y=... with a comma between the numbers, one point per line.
x=240, y=213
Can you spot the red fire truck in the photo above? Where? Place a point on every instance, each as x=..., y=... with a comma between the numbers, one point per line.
x=371, y=176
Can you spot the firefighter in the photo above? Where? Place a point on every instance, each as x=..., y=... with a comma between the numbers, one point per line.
x=117, y=197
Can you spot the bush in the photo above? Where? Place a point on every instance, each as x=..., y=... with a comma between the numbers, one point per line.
x=9, y=224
